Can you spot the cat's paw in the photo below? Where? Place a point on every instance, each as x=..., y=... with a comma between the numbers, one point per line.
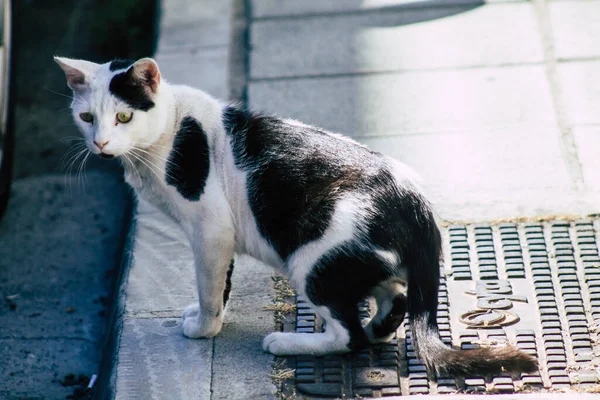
x=280, y=343
x=194, y=326
x=191, y=311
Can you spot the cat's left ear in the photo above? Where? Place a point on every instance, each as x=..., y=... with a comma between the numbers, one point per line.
x=146, y=71
x=77, y=72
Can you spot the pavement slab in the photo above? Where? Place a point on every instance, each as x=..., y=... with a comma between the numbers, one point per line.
x=576, y=28
x=186, y=25
x=587, y=140
x=579, y=84
x=415, y=102
x=264, y=9
x=207, y=61
x=156, y=362
x=398, y=39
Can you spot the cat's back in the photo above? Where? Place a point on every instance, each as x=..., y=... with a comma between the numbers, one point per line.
x=259, y=140
x=197, y=104
x=296, y=176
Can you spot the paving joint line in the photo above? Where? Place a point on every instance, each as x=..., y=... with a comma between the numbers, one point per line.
x=337, y=75
x=567, y=141
x=383, y=9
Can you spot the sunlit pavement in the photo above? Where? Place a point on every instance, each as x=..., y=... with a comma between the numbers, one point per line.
x=494, y=104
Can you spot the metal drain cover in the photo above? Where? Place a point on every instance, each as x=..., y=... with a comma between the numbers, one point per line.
x=535, y=285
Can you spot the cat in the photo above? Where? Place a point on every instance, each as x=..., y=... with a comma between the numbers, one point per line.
x=342, y=222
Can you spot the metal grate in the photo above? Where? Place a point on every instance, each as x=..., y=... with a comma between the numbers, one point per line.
x=535, y=285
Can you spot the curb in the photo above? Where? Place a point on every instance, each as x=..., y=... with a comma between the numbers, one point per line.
x=105, y=387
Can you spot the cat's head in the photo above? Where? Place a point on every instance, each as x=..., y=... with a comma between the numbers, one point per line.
x=117, y=105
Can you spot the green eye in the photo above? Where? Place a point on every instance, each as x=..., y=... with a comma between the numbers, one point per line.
x=87, y=117
x=124, y=117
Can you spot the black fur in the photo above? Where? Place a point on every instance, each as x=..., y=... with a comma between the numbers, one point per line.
x=131, y=89
x=296, y=175
x=228, y=284
x=188, y=166
x=120, y=63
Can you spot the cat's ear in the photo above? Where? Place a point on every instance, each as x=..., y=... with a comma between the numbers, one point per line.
x=77, y=72
x=146, y=71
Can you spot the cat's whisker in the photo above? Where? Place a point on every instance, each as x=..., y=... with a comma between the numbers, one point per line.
x=63, y=95
x=170, y=148
x=166, y=161
x=160, y=158
x=70, y=155
x=68, y=175
x=76, y=148
x=149, y=166
x=126, y=157
x=81, y=172
x=73, y=159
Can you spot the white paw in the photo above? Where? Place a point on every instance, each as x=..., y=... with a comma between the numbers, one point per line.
x=280, y=344
x=191, y=310
x=196, y=326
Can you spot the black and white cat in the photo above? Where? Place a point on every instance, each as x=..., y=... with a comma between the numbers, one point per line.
x=344, y=223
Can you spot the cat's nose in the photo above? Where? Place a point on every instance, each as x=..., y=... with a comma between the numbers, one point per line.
x=100, y=145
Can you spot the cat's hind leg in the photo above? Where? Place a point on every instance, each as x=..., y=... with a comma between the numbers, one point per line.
x=336, y=284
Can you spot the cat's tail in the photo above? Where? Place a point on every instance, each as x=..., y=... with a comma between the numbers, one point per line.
x=423, y=284
x=446, y=361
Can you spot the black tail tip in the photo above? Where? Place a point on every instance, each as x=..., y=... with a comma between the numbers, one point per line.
x=522, y=362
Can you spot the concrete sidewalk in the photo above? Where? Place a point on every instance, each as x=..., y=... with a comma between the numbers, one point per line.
x=494, y=103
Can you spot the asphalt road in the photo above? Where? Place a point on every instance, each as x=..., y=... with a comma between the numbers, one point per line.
x=61, y=236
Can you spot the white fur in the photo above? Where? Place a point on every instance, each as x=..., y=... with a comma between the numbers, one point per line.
x=388, y=256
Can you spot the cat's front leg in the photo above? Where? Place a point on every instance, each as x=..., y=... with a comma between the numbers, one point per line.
x=213, y=252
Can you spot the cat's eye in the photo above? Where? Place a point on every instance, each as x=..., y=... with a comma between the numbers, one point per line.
x=87, y=117
x=124, y=117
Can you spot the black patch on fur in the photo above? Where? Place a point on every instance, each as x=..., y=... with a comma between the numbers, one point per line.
x=132, y=90
x=228, y=284
x=296, y=174
x=187, y=169
x=120, y=63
